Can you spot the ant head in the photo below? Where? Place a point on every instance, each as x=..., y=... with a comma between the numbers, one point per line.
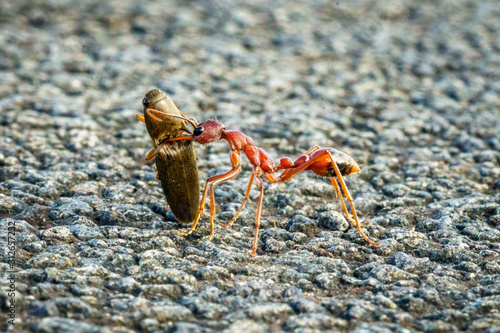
x=208, y=131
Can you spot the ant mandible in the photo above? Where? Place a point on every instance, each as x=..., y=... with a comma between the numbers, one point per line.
x=325, y=162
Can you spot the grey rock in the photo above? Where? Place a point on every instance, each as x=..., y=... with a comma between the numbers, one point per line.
x=163, y=313
x=411, y=264
x=66, y=208
x=67, y=307
x=246, y=326
x=85, y=233
x=37, y=216
x=58, y=234
x=189, y=328
x=269, y=312
x=212, y=273
x=168, y=276
x=10, y=206
x=391, y=274
x=333, y=221
x=317, y=321
x=299, y=223
x=55, y=324
x=302, y=305
x=291, y=275
x=291, y=293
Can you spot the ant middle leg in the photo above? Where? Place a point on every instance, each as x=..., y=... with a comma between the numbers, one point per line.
x=257, y=215
x=230, y=175
x=216, y=180
x=247, y=195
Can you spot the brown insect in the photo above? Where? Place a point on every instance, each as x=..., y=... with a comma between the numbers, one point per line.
x=325, y=162
x=175, y=160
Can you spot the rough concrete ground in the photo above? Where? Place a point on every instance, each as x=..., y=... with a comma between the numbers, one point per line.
x=410, y=89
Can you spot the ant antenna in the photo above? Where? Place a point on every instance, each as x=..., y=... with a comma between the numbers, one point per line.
x=190, y=120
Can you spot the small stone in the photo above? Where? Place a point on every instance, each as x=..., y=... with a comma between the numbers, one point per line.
x=163, y=313
x=10, y=206
x=268, y=312
x=300, y=223
x=246, y=326
x=391, y=274
x=333, y=220
x=58, y=234
x=54, y=324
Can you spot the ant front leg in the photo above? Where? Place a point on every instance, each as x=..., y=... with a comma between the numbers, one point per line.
x=151, y=154
x=211, y=182
x=140, y=117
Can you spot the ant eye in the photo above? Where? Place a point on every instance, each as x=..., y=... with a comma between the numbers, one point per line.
x=145, y=102
x=198, y=130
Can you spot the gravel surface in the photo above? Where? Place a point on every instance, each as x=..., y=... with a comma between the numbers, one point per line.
x=410, y=89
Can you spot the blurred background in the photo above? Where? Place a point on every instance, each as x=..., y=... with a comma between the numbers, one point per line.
x=313, y=72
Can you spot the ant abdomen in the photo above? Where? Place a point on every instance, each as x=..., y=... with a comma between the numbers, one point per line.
x=324, y=167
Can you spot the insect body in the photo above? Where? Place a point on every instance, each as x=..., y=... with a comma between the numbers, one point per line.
x=325, y=162
x=176, y=160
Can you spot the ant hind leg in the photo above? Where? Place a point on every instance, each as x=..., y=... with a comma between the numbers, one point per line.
x=293, y=171
x=349, y=199
x=338, y=194
x=312, y=150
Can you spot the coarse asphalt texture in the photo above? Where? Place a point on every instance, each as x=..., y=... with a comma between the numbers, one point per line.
x=410, y=89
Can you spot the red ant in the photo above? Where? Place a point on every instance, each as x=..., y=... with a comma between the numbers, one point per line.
x=325, y=162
